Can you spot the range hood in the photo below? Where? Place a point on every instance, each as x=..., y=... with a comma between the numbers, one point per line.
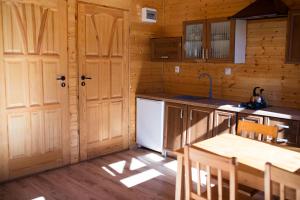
x=262, y=9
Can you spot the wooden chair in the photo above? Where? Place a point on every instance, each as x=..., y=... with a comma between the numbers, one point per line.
x=209, y=161
x=257, y=131
x=284, y=178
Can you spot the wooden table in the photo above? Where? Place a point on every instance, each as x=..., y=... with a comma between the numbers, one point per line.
x=251, y=156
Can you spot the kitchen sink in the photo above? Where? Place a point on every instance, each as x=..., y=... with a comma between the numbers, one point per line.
x=189, y=97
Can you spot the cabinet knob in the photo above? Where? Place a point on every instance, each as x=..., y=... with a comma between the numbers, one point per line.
x=164, y=57
x=283, y=126
x=191, y=115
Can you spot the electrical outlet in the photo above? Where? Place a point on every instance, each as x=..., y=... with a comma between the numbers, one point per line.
x=228, y=71
x=177, y=69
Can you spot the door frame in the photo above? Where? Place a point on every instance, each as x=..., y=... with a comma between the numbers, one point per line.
x=82, y=93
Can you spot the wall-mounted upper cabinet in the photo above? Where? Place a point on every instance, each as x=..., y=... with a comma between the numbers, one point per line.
x=166, y=49
x=194, y=40
x=293, y=39
x=214, y=41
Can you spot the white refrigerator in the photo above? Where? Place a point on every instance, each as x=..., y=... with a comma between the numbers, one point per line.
x=150, y=124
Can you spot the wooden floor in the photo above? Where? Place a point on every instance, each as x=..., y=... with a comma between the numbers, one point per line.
x=134, y=174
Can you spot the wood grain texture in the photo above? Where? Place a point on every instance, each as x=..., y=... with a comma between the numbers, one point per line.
x=284, y=178
x=243, y=149
x=259, y=130
x=103, y=99
x=34, y=106
x=145, y=76
x=265, y=56
x=89, y=180
x=73, y=81
x=210, y=161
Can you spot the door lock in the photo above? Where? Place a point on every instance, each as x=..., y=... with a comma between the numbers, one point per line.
x=62, y=79
x=83, y=78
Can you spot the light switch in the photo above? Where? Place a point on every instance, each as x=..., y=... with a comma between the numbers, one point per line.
x=228, y=71
x=177, y=69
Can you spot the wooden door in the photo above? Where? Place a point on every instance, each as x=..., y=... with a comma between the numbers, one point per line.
x=224, y=122
x=200, y=124
x=103, y=61
x=34, y=118
x=175, y=126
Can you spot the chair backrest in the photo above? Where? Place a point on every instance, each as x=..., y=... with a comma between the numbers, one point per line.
x=208, y=161
x=284, y=178
x=256, y=131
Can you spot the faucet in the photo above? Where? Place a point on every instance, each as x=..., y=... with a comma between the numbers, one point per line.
x=202, y=75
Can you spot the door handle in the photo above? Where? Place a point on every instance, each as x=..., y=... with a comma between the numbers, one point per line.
x=283, y=126
x=181, y=113
x=164, y=57
x=229, y=122
x=61, y=78
x=83, y=77
x=191, y=115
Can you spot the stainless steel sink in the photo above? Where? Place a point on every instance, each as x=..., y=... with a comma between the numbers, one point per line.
x=189, y=97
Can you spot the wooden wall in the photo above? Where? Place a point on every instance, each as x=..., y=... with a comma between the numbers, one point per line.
x=265, y=54
x=264, y=66
x=73, y=81
x=145, y=76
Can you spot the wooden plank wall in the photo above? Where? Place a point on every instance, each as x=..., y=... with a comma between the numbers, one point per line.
x=266, y=40
x=264, y=61
x=73, y=81
x=145, y=76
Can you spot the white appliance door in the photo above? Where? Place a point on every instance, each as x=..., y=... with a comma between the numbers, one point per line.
x=150, y=124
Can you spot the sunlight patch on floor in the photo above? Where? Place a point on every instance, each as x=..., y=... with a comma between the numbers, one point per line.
x=203, y=177
x=118, y=166
x=154, y=157
x=39, y=198
x=108, y=171
x=136, y=164
x=172, y=165
x=140, y=178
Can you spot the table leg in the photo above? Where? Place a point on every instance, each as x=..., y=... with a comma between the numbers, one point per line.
x=179, y=178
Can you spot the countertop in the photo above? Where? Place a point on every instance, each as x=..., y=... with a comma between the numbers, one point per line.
x=226, y=105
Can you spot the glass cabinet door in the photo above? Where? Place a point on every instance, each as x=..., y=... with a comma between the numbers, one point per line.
x=194, y=40
x=220, y=40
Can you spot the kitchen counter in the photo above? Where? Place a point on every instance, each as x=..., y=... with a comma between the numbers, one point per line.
x=226, y=105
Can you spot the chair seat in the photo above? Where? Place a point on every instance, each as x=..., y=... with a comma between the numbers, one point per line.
x=225, y=194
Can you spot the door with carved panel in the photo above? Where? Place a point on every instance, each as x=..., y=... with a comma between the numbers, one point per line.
x=33, y=92
x=103, y=62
